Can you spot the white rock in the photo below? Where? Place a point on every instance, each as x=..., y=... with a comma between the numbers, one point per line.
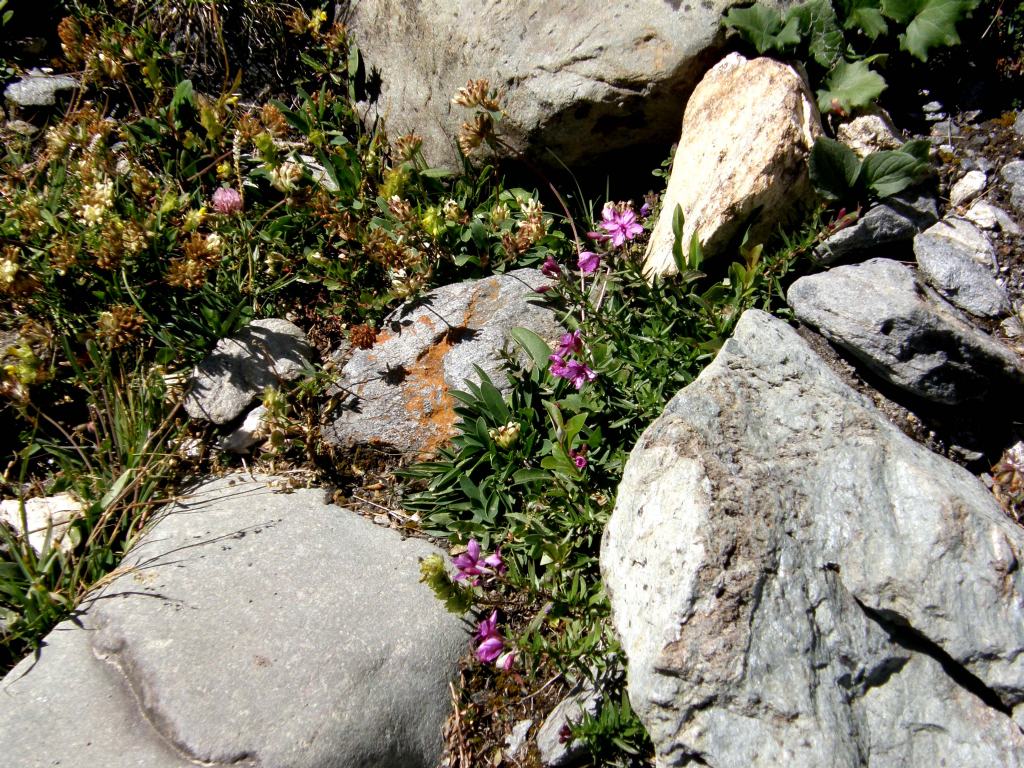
x=747, y=132
x=248, y=434
x=987, y=216
x=57, y=511
x=869, y=133
x=970, y=185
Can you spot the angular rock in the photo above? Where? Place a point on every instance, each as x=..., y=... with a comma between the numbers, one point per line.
x=1013, y=174
x=947, y=260
x=556, y=752
x=795, y=582
x=869, y=133
x=249, y=627
x=618, y=75
x=988, y=216
x=249, y=433
x=893, y=222
x=877, y=312
x=747, y=132
x=968, y=187
x=38, y=89
x=396, y=393
x=263, y=354
x=42, y=512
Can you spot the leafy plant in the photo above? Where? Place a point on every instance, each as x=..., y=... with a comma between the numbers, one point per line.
x=839, y=175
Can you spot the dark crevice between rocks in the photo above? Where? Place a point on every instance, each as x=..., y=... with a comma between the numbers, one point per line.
x=905, y=636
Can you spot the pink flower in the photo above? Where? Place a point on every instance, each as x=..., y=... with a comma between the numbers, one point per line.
x=645, y=210
x=505, y=661
x=550, y=267
x=579, y=458
x=491, y=641
x=227, y=200
x=588, y=262
x=573, y=370
x=470, y=566
x=619, y=221
x=569, y=344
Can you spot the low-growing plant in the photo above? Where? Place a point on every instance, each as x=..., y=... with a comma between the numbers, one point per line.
x=840, y=176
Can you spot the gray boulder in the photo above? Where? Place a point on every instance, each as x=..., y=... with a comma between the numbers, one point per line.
x=248, y=627
x=1013, y=174
x=795, y=582
x=877, y=311
x=38, y=89
x=396, y=393
x=893, y=222
x=950, y=262
x=618, y=75
x=263, y=354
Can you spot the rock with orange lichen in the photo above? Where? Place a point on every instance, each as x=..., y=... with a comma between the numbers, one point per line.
x=395, y=394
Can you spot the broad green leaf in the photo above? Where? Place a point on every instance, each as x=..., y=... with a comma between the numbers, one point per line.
x=919, y=148
x=851, y=84
x=818, y=24
x=834, y=168
x=534, y=345
x=930, y=23
x=889, y=172
x=763, y=28
x=865, y=15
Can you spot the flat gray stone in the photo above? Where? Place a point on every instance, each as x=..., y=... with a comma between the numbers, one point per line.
x=893, y=222
x=797, y=583
x=264, y=354
x=250, y=628
x=988, y=216
x=554, y=751
x=396, y=393
x=38, y=89
x=949, y=262
x=877, y=311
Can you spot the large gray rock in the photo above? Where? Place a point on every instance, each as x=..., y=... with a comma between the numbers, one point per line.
x=248, y=628
x=893, y=222
x=264, y=354
x=877, y=311
x=747, y=132
x=38, y=89
x=795, y=582
x=950, y=262
x=615, y=74
x=396, y=393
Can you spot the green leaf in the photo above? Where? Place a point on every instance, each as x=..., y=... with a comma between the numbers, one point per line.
x=851, y=84
x=930, y=23
x=889, y=172
x=763, y=28
x=532, y=344
x=834, y=168
x=677, y=239
x=183, y=94
x=818, y=24
x=865, y=15
x=919, y=148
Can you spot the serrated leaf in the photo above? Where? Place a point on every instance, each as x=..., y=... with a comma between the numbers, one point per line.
x=889, y=172
x=763, y=27
x=834, y=168
x=851, y=84
x=930, y=23
x=865, y=15
x=817, y=23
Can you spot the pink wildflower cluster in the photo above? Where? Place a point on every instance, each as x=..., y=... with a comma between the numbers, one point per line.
x=618, y=220
x=574, y=370
x=227, y=200
x=492, y=645
x=471, y=566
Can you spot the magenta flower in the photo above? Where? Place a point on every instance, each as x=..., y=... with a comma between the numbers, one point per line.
x=588, y=262
x=227, y=200
x=470, y=566
x=505, y=661
x=573, y=370
x=569, y=344
x=619, y=221
x=579, y=458
x=491, y=641
x=558, y=367
x=645, y=210
x=550, y=267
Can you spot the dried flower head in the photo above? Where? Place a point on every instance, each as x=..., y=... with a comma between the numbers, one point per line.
x=286, y=176
x=186, y=273
x=478, y=93
x=363, y=336
x=273, y=120
x=473, y=134
x=407, y=146
x=400, y=209
x=71, y=40
x=119, y=325
x=95, y=202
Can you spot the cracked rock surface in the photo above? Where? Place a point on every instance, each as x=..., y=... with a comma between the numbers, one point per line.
x=795, y=582
x=249, y=628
